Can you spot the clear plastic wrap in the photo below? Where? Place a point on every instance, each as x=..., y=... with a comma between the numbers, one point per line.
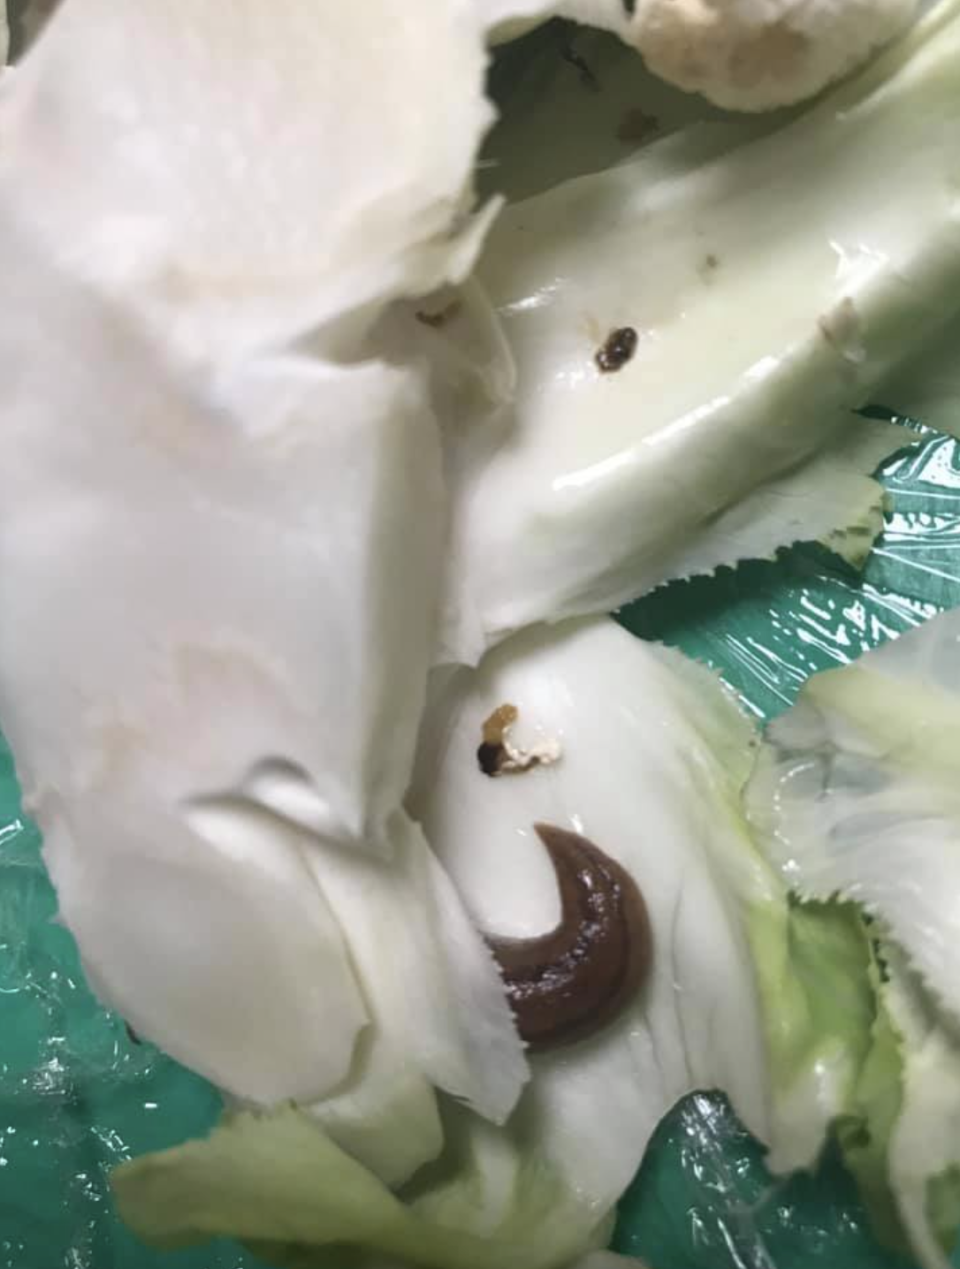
x=704, y=1198
x=769, y=624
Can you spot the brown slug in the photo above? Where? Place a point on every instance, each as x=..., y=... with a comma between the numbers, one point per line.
x=569, y=983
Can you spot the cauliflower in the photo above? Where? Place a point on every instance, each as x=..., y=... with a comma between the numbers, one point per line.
x=760, y=54
x=747, y=55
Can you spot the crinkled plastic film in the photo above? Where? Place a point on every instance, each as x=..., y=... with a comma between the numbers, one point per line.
x=768, y=625
x=77, y=1094
x=704, y=1198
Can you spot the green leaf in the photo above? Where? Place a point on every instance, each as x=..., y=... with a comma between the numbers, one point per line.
x=818, y=1040
x=856, y=791
x=856, y=795
x=864, y=1131
x=277, y=1181
x=924, y=1151
x=943, y=1205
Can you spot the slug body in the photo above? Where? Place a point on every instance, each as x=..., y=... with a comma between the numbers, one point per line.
x=569, y=983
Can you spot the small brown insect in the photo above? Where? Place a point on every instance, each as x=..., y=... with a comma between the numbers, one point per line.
x=616, y=350
x=573, y=981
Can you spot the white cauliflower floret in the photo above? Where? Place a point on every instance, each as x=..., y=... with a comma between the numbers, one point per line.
x=760, y=54
x=740, y=54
